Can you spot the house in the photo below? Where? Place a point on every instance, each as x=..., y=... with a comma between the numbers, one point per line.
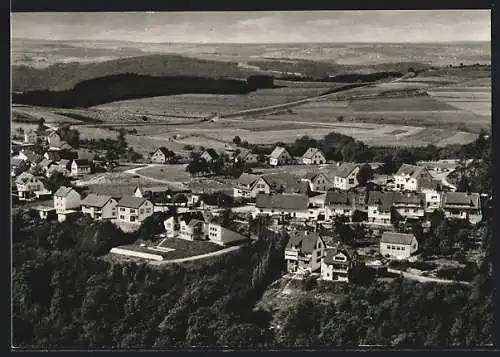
x=133, y=209
x=409, y=204
x=432, y=189
x=345, y=176
x=291, y=205
x=304, y=252
x=81, y=167
x=379, y=207
x=99, y=206
x=209, y=155
x=318, y=182
x=398, y=245
x=244, y=185
x=162, y=155
x=52, y=155
x=171, y=225
x=245, y=155
x=409, y=177
x=313, y=156
x=279, y=156
x=276, y=183
x=462, y=205
x=30, y=137
x=338, y=263
x=193, y=226
x=339, y=204
x=51, y=170
x=30, y=186
x=66, y=199
x=226, y=233
x=30, y=156
x=45, y=164
x=53, y=138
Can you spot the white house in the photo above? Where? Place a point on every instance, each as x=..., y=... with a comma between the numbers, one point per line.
x=209, y=155
x=339, y=204
x=99, y=206
x=134, y=209
x=30, y=137
x=409, y=177
x=245, y=155
x=338, y=263
x=162, y=155
x=226, y=233
x=66, y=199
x=313, y=156
x=345, y=176
x=379, y=207
x=290, y=205
x=53, y=139
x=304, y=252
x=193, y=226
x=30, y=186
x=81, y=167
x=462, y=205
x=279, y=156
x=318, y=182
x=171, y=225
x=432, y=189
x=398, y=245
x=409, y=205
x=245, y=184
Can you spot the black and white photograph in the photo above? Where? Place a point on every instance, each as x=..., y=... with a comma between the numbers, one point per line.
x=251, y=180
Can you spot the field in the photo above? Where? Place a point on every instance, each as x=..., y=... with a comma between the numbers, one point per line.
x=171, y=173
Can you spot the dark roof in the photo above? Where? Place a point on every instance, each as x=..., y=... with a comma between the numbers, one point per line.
x=431, y=184
x=306, y=241
x=409, y=198
x=63, y=191
x=131, y=202
x=212, y=153
x=247, y=179
x=410, y=170
x=311, y=152
x=345, y=169
x=397, y=238
x=82, y=162
x=193, y=215
x=333, y=197
x=282, y=201
x=289, y=182
x=32, y=156
x=164, y=151
x=53, y=155
x=461, y=199
x=383, y=200
x=332, y=252
x=95, y=200
x=24, y=177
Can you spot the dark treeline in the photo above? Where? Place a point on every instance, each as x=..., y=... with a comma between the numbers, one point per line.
x=131, y=86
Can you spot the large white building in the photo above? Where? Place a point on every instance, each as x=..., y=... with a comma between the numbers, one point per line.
x=398, y=245
x=313, y=156
x=279, y=156
x=134, y=209
x=345, y=176
x=99, y=206
x=409, y=177
x=462, y=205
x=338, y=264
x=304, y=252
x=66, y=199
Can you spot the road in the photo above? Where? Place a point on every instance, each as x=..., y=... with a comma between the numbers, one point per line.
x=425, y=279
x=133, y=171
x=198, y=257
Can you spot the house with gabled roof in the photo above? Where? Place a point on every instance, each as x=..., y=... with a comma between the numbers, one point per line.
x=30, y=187
x=432, y=189
x=81, y=167
x=398, y=245
x=304, y=252
x=52, y=155
x=99, y=207
x=247, y=156
x=318, y=181
x=30, y=156
x=64, y=167
x=66, y=199
x=313, y=156
x=345, y=176
x=45, y=164
x=289, y=205
x=223, y=232
x=244, y=185
x=338, y=263
x=279, y=156
x=193, y=225
x=409, y=177
x=409, y=204
x=209, y=155
x=162, y=155
x=462, y=205
x=339, y=204
x=379, y=207
x=53, y=138
x=132, y=209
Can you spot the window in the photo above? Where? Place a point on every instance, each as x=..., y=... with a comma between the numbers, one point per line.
x=122, y=209
x=148, y=210
x=122, y=216
x=397, y=248
x=351, y=181
x=406, y=210
x=403, y=248
x=132, y=210
x=141, y=211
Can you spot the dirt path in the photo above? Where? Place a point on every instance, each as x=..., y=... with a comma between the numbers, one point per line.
x=425, y=279
x=198, y=257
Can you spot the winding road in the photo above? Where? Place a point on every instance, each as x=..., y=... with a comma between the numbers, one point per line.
x=133, y=171
x=198, y=257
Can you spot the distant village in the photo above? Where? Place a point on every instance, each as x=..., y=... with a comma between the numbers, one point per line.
x=308, y=207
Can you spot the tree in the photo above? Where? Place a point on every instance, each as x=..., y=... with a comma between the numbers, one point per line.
x=237, y=140
x=364, y=175
x=40, y=125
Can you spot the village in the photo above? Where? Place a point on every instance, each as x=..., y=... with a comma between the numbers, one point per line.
x=338, y=215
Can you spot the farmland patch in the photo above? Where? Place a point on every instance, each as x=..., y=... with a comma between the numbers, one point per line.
x=418, y=103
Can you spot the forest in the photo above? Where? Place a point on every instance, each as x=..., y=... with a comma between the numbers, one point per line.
x=133, y=86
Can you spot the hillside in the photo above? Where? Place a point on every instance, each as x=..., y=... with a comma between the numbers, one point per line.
x=64, y=76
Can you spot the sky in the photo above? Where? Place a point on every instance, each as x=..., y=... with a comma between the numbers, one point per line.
x=258, y=27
